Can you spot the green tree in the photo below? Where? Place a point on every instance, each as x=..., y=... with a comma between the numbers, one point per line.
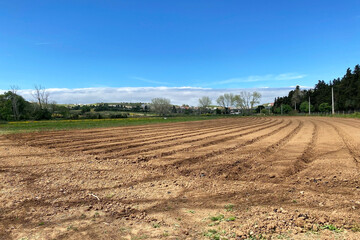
x=324, y=107
x=13, y=107
x=85, y=109
x=304, y=107
x=286, y=108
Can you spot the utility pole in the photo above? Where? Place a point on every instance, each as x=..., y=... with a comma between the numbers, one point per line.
x=309, y=106
x=332, y=101
x=281, y=109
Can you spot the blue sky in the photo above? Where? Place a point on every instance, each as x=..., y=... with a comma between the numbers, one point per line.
x=222, y=44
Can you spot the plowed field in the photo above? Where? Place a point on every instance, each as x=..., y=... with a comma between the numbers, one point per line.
x=235, y=178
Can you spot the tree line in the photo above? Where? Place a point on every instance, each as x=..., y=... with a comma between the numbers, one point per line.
x=14, y=107
x=245, y=102
x=346, y=95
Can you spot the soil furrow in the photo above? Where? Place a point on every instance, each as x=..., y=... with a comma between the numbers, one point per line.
x=353, y=150
x=197, y=142
x=308, y=155
x=151, y=138
x=202, y=134
x=228, y=150
x=80, y=134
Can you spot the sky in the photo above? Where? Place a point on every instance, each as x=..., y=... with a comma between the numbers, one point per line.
x=87, y=51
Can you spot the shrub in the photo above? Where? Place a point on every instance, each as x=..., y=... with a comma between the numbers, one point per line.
x=42, y=114
x=120, y=115
x=324, y=107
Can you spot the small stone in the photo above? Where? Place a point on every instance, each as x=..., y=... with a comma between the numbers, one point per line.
x=282, y=210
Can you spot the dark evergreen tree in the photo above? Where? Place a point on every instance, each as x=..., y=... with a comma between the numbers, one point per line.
x=346, y=93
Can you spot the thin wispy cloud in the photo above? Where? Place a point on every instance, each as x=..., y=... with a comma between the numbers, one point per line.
x=149, y=81
x=177, y=95
x=261, y=78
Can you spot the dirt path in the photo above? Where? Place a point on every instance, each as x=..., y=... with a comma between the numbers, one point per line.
x=273, y=178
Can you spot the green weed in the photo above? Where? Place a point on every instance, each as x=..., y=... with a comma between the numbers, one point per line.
x=230, y=219
x=229, y=207
x=217, y=218
x=156, y=225
x=331, y=228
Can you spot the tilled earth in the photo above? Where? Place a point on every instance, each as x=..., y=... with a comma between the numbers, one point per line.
x=238, y=178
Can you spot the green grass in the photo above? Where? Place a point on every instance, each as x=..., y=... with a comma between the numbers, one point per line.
x=331, y=228
x=35, y=126
x=217, y=218
x=352, y=115
x=156, y=225
x=230, y=219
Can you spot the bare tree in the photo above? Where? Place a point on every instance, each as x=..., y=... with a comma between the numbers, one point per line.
x=161, y=106
x=247, y=100
x=255, y=99
x=243, y=100
x=41, y=96
x=227, y=100
x=15, y=101
x=204, y=102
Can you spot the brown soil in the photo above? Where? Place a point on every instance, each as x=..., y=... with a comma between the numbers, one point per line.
x=289, y=178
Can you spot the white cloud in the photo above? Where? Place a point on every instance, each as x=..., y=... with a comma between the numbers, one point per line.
x=262, y=78
x=177, y=95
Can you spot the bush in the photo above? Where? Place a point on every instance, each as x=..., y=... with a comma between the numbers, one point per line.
x=286, y=109
x=85, y=109
x=324, y=107
x=92, y=116
x=264, y=111
x=304, y=107
x=121, y=115
x=293, y=112
x=42, y=114
x=74, y=116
